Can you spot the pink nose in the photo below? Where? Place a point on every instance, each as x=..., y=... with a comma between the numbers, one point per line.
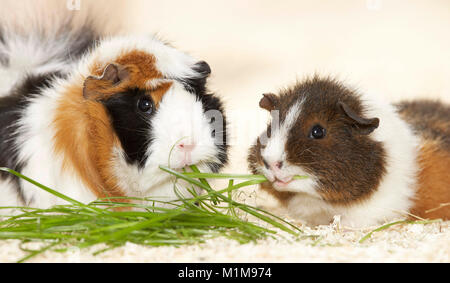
x=186, y=147
x=186, y=150
x=276, y=165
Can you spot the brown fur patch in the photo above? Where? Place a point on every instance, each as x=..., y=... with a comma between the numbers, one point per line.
x=434, y=183
x=144, y=65
x=85, y=139
x=141, y=68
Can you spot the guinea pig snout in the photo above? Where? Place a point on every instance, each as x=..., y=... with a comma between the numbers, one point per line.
x=184, y=152
x=186, y=147
x=275, y=172
x=273, y=166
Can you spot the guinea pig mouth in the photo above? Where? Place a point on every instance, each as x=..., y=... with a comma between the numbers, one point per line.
x=282, y=183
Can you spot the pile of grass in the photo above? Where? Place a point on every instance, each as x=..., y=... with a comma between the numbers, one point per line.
x=111, y=222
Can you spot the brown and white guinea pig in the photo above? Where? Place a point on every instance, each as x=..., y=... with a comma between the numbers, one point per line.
x=95, y=117
x=367, y=160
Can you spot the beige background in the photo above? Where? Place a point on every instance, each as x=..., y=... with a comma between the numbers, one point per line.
x=395, y=48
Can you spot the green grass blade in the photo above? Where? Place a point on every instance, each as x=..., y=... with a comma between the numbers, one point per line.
x=51, y=191
x=386, y=226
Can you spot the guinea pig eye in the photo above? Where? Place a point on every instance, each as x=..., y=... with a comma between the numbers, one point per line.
x=145, y=105
x=317, y=132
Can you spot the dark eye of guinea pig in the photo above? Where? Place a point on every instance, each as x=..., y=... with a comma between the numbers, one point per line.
x=145, y=105
x=317, y=132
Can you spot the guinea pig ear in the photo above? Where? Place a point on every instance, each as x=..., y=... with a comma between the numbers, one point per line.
x=197, y=84
x=113, y=75
x=203, y=68
x=365, y=126
x=268, y=102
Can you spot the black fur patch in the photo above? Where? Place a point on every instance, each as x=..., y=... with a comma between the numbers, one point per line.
x=198, y=85
x=131, y=126
x=11, y=108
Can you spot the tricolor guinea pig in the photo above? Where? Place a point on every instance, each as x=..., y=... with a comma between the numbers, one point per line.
x=95, y=117
x=366, y=160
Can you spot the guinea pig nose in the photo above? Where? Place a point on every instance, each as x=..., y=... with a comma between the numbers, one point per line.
x=276, y=165
x=186, y=147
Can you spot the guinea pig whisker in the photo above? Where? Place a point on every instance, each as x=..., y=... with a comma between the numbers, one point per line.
x=306, y=150
x=309, y=163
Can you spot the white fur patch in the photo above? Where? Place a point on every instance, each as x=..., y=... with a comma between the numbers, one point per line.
x=276, y=144
x=9, y=196
x=30, y=55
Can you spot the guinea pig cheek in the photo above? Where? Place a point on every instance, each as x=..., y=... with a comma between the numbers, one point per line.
x=307, y=185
